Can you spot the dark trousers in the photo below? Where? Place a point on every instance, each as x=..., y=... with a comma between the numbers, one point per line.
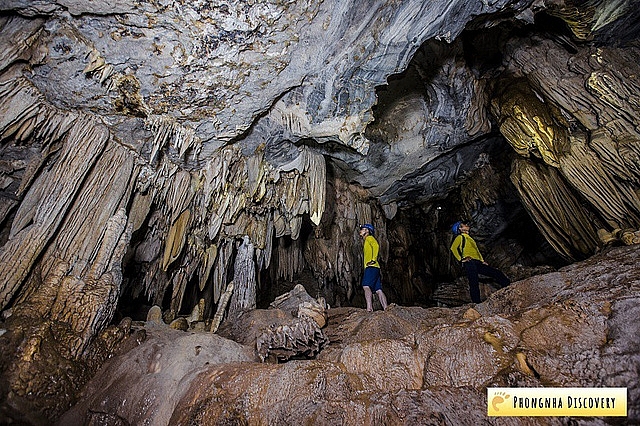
x=473, y=268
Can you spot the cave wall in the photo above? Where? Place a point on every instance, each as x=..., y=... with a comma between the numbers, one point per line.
x=142, y=141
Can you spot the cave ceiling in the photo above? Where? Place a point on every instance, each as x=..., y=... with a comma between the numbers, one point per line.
x=280, y=73
x=202, y=122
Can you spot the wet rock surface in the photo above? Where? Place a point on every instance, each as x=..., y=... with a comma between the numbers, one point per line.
x=577, y=327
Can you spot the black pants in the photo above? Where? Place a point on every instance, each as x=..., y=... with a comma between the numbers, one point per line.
x=473, y=268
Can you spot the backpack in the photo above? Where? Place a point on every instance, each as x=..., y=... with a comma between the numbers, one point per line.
x=461, y=248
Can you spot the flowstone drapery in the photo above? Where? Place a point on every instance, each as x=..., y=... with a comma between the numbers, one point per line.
x=579, y=117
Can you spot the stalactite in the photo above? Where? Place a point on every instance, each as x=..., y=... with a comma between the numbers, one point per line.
x=313, y=168
x=140, y=208
x=148, y=253
x=480, y=185
x=620, y=158
x=225, y=252
x=256, y=175
x=23, y=107
x=559, y=215
x=99, y=67
x=179, y=281
x=265, y=259
x=179, y=194
x=176, y=239
x=222, y=197
x=78, y=209
x=207, y=264
x=528, y=126
x=588, y=160
x=70, y=230
x=101, y=197
x=47, y=202
x=170, y=133
x=316, y=178
x=616, y=93
x=235, y=196
x=583, y=170
x=170, y=191
x=290, y=259
x=19, y=37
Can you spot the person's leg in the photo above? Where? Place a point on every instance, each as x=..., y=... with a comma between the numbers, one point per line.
x=377, y=287
x=472, y=274
x=368, y=297
x=370, y=279
x=494, y=273
x=382, y=298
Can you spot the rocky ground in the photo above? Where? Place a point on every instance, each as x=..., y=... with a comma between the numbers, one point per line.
x=577, y=327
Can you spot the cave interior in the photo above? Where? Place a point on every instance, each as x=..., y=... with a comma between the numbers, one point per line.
x=417, y=259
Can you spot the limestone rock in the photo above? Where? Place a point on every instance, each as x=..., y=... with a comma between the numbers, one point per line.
x=471, y=314
x=155, y=315
x=179, y=323
x=167, y=354
x=141, y=141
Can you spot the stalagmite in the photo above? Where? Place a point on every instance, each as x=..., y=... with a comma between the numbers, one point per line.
x=301, y=338
x=244, y=278
x=222, y=307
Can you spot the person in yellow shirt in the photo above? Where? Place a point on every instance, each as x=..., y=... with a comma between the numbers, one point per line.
x=371, y=279
x=466, y=250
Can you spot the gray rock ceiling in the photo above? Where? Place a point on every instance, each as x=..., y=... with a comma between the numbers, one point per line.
x=277, y=73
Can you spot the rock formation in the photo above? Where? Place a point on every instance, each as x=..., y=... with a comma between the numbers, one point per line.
x=404, y=366
x=153, y=152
